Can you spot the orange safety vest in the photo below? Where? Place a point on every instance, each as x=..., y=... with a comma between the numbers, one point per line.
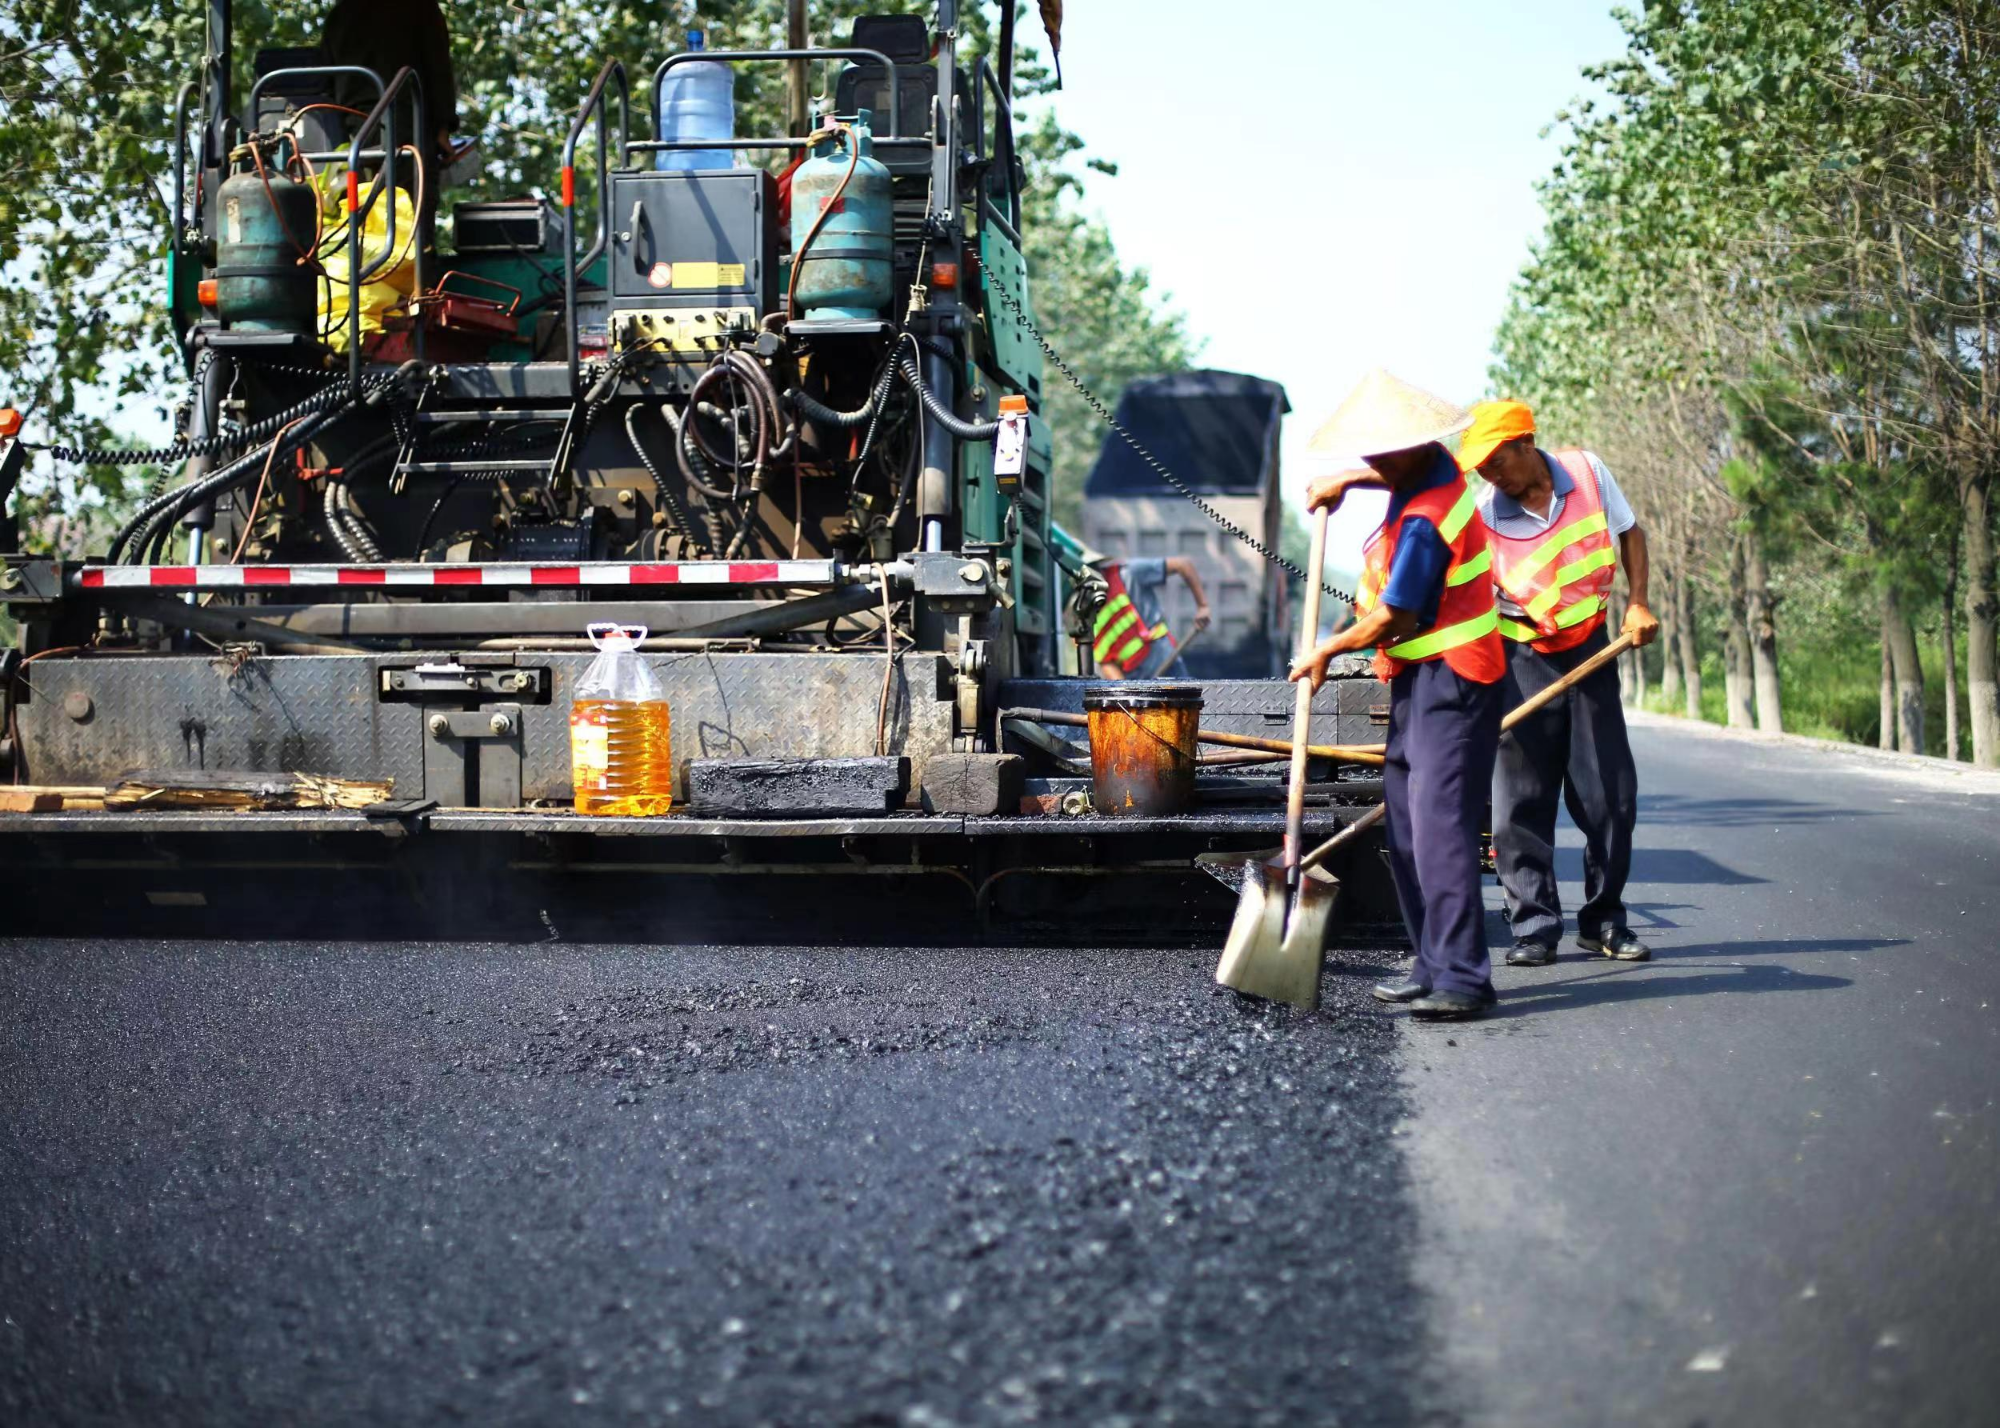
x=1562, y=575
x=1467, y=633
x=1118, y=634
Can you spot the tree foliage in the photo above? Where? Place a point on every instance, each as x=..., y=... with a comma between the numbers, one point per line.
x=1767, y=291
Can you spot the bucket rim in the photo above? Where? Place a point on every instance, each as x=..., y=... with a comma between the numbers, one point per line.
x=1166, y=693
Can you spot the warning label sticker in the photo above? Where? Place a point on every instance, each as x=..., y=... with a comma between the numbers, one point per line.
x=708, y=275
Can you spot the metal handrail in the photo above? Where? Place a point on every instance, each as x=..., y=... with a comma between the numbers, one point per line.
x=177, y=236
x=613, y=69
x=382, y=116
x=257, y=89
x=1003, y=124
x=734, y=56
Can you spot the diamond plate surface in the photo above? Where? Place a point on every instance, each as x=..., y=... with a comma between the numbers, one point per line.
x=319, y=714
x=758, y=706
x=290, y=714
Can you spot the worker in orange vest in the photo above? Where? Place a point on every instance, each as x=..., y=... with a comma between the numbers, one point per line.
x=1426, y=607
x=1130, y=638
x=1559, y=525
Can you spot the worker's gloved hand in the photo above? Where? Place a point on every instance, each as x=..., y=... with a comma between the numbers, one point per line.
x=1314, y=666
x=1202, y=617
x=1641, y=624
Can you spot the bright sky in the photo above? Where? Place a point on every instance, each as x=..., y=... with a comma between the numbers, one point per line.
x=1325, y=186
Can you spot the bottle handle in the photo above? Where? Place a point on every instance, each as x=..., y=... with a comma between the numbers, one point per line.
x=600, y=631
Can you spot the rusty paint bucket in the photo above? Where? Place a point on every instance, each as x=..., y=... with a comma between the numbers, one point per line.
x=1142, y=743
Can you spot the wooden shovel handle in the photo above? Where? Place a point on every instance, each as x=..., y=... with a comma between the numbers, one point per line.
x=1569, y=681
x=1527, y=706
x=1302, y=711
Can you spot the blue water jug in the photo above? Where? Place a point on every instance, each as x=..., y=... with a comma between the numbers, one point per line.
x=698, y=101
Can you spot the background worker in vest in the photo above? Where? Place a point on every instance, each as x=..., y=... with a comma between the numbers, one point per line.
x=1555, y=518
x=1131, y=639
x=1426, y=606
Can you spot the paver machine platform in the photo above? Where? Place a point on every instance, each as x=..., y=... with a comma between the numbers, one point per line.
x=789, y=422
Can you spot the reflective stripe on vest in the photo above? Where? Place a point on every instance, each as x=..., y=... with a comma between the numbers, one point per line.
x=1466, y=633
x=1117, y=616
x=1448, y=638
x=1561, y=578
x=1118, y=636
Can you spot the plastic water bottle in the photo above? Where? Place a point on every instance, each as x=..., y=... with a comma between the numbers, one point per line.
x=698, y=101
x=620, y=731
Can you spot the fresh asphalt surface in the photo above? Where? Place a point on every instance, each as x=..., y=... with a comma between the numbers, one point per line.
x=1751, y=1182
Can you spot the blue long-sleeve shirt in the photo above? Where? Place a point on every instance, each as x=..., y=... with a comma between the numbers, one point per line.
x=1416, y=574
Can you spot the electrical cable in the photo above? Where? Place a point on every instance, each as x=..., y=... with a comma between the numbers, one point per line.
x=1159, y=467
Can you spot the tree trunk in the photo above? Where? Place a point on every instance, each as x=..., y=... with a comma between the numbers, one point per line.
x=1907, y=666
x=1737, y=696
x=1885, y=737
x=1690, y=654
x=1950, y=670
x=1982, y=622
x=1670, y=669
x=1762, y=613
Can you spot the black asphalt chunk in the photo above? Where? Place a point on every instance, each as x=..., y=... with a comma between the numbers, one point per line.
x=313, y=1183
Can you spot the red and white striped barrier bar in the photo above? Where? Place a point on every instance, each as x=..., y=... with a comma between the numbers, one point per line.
x=768, y=573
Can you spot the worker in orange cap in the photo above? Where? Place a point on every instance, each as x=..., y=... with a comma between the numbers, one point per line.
x=1559, y=524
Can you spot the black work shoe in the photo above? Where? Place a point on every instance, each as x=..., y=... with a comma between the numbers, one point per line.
x=1450, y=1006
x=1529, y=953
x=1618, y=942
x=1399, y=992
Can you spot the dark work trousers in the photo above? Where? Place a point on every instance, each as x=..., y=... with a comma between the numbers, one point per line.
x=1576, y=748
x=1443, y=731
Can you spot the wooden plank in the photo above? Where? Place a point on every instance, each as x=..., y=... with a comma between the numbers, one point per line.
x=29, y=800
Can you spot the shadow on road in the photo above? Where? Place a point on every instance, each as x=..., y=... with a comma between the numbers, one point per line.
x=1674, y=866
x=1674, y=808
x=1622, y=985
x=1780, y=947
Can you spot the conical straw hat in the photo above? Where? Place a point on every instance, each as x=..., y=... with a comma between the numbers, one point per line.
x=1384, y=414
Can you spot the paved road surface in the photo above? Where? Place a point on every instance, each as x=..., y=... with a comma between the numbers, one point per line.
x=1752, y=1182
x=1756, y=1180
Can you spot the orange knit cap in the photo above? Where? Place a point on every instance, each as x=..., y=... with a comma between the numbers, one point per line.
x=1493, y=425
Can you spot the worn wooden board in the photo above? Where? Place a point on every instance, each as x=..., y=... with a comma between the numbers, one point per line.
x=203, y=788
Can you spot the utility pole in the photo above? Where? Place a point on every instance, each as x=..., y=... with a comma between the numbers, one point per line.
x=796, y=73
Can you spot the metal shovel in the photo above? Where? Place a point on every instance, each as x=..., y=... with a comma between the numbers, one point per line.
x=1277, y=957
x=1274, y=947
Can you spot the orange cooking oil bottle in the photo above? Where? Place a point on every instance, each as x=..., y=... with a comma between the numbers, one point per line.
x=620, y=744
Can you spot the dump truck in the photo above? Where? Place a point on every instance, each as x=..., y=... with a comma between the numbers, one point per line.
x=784, y=412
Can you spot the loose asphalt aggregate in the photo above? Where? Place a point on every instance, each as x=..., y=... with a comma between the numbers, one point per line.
x=332, y=1183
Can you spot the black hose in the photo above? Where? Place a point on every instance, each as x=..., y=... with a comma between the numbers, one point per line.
x=686, y=457
x=207, y=446
x=668, y=501
x=820, y=414
x=940, y=413
x=170, y=507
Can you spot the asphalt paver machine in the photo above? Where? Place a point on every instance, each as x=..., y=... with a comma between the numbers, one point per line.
x=783, y=410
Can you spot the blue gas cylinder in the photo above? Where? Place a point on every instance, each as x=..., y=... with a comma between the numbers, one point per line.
x=848, y=268
x=698, y=101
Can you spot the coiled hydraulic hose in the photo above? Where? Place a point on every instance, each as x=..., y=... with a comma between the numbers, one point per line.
x=667, y=497
x=943, y=415
x=160, y=512
x=208, y=446
x=820, y=414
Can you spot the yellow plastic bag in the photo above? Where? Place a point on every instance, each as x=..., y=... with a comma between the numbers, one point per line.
x=389, y=287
